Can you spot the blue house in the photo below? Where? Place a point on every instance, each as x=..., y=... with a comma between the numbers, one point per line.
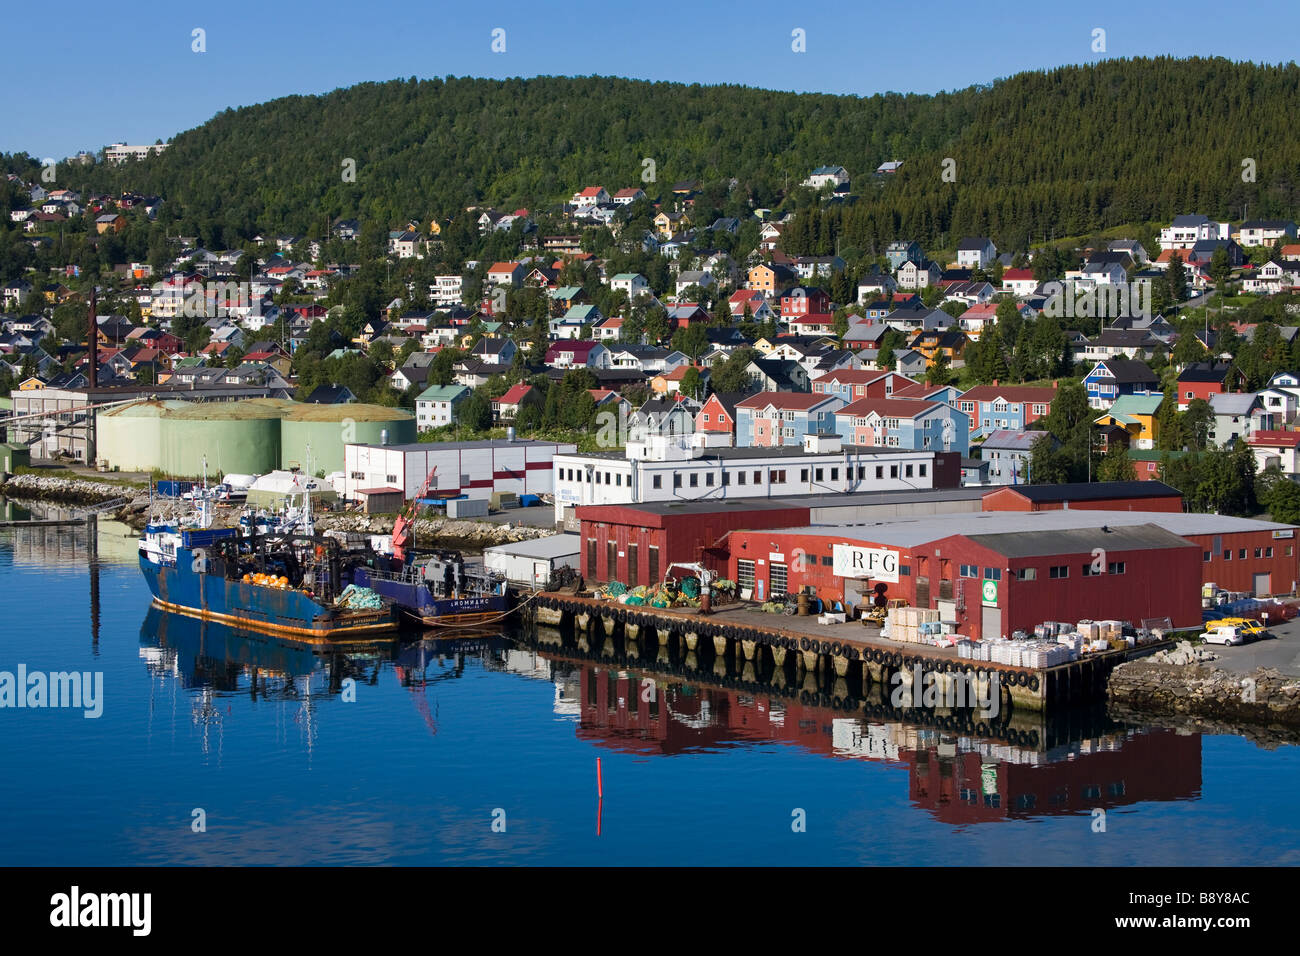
x=773, y=419
x=907, y=250
x=912, y=423
x=1113, y=377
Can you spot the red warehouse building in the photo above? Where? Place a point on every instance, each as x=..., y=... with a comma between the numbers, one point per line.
x=991, y=573
x=1087, y=496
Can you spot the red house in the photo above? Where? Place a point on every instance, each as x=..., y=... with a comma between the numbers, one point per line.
x=803, y=301
x=719, y=413
x=1203, y=379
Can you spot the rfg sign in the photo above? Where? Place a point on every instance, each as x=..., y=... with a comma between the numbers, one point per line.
x=850, y=561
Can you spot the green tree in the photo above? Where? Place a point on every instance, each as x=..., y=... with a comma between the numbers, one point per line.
x=1116, y=465
x=474, y=412
x=1198, y=423
x=1284, y=502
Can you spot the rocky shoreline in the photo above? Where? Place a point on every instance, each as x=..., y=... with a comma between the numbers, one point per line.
x=1185, y=685
x=430, y=532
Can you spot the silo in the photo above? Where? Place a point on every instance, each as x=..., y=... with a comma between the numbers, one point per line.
x=129, y=437
x=236, y=437
x=327, y=428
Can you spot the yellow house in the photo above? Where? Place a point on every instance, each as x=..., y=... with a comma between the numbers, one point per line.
x=1136, y=414
x=668, y=223
x=764, y=346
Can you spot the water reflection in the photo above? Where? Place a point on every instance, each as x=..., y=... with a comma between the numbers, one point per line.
x=960, y=771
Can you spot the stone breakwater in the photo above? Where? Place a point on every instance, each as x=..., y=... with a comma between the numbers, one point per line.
x=73, y=491
x=1181, y=683
x=429, y=532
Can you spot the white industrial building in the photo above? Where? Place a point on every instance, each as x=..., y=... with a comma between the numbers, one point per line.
x=679, y=469
x=532, y=562
x=478, y=469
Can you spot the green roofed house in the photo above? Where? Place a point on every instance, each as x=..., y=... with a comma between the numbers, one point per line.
x=566, y=295
x=1136, y=414
x=340, y=353
x=436, y=405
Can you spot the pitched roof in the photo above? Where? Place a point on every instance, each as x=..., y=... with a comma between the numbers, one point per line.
x=515, y=394
x=888, y=407
x=1205, y=372
x=1275, y=438
x=1035, y=394
x=794, y=401
x=1129, y=370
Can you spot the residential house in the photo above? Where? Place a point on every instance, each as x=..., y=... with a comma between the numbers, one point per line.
x=437, y=404
x=910, y=362
x=1276, y=449
x=506, y=273
x=999, y=407
x=494, y=351
x=777, y=375
x=913, y=424
x=918, y=275
x=935, y=342
x=625, y=197
x=1019, y=282
x=1265, y=232
x=577, y=354
x=661, y=417
x=692, y=277
x=903, y=250
x=1118, y=343
x=650, y=359
x=1273, y=277
x=880, y=285
x=331, y=395
x=976, y=252
x=759, y=310
x=590, y=196
x=1186, y=231
x=817, y=267
x=771, y=419
x=1205, y=379
x=1136, y=416
x=506, y=408
x=1238, y=416
x=1008, y=453
x=718, y=414
x=632, y=283
x=768, y=278
x=1112, y=378
x=827, y=176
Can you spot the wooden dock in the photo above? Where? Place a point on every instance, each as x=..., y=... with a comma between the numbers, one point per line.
x=803, y=651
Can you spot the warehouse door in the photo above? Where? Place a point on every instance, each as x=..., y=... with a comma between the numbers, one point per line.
x=611, y=561
x=592, y=570
x=991, y=623
x=631, y=565
x=1263, y=585
x=947, y=610
x=654, y=565
x=922, y=592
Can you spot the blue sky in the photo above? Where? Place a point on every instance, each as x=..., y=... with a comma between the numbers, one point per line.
x=90, y=73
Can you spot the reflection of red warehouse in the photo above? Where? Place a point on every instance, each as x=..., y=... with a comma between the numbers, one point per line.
x=960, y=789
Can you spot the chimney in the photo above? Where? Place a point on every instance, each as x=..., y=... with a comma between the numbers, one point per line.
x=92, y=343
x=995, y=382
x=1055, y=384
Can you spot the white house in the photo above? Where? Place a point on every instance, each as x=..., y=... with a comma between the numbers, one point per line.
x=632, y=283
x=1185, y=231
x=827, y=176
x=976, y=253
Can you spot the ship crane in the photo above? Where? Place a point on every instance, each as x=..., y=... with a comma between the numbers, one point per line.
x=404, y=526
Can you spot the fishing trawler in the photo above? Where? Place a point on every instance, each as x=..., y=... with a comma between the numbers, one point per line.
x=439, y=589
x=289, y=580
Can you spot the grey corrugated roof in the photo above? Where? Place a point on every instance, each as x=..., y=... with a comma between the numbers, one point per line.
x=1033, y=544
x=552, y=546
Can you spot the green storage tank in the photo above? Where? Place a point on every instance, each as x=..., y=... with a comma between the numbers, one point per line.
x=236, y=438
x=327, y=428
x=130, y=437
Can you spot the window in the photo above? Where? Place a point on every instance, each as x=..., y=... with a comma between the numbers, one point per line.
x=777, y=478
x=708, y=479
x=618, y=480
x=1268, y=552
x=745, y=574
x=695, y=480
x=1026, y=574
x=392, y=479
x=993, y=574
x=905, y=570
x=1059, y=571
x=828, y=561
x=1088, y=571
x=706, y=416
x=1259, y=552
x=817, y=474
x=893, y=471
x=741, y=476
x=726, y=478
x=803, y=474
x=1205, y=555
x=862, y=472
x=1242, y=554
x=969, y=571
x=657, y=481
x=358, y=476
x=677, y=480
x=1227, y=555
x=758, y=477
x=1115, y=567
x=880, y=471
x=921, y=470
x=907, y=471
x=835, y=474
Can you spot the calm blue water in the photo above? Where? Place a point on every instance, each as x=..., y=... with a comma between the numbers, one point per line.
x=287, y=772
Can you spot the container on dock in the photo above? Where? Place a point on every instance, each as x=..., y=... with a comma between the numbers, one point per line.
x=467, y=507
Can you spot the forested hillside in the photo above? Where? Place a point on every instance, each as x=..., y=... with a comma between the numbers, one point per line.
x=1063, y=152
